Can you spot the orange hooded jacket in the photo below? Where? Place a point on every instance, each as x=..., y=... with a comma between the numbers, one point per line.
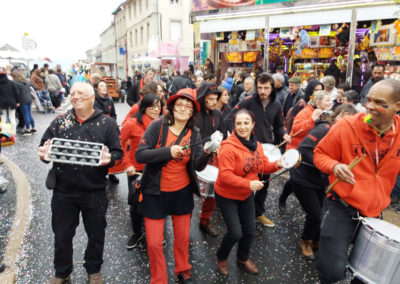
x=303, y=121
x=238, y=166
x=375, y=175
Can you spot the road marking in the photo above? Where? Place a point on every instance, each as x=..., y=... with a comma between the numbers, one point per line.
x=20, y=224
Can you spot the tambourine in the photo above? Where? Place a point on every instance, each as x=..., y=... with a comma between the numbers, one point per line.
x=291, y=159
x=273, y=154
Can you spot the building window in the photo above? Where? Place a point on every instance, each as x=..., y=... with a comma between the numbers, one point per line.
x=148, y=31
x=134, y=8
x=176, y=2
x=147, y=4
x=140, y=6
x=175, y=30
x=136, y=37
x=129, y=13
x=130, y=38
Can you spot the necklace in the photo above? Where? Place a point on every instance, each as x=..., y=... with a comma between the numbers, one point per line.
x=381, y=132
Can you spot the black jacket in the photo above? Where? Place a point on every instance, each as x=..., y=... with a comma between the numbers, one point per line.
x=297, y=96
x=236, y=91
x=269, y=121
x=9, y=96
x=156, y=158
x=133, y=95
x=98, y=128
x=105, y=105
x=24, y=91
x=179, y=83
x=306, y=173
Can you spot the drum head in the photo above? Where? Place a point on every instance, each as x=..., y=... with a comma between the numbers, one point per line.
x=385, y=228
x=272, y=154
x=209, y=174
x=290, y=158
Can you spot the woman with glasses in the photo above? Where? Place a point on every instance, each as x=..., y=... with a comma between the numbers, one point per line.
x=172, y=149
x=132, y=131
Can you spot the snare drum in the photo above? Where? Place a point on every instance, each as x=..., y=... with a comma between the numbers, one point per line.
x=375, y=257
x=291, y=159
x=273, y=154
x=207, y=177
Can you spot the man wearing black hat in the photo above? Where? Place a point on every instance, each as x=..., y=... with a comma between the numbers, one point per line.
x=269, y=124
x=209, y=120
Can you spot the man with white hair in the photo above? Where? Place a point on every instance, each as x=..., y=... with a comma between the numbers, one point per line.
x=248, y=88
x=80, y=189
x=280, y=88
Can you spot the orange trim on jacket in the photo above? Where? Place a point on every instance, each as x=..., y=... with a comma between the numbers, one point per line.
x=375, y=175
x=303, y=120
x=131, y=133
x=238, y=166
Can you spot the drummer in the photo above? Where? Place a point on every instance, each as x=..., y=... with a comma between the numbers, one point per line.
x=209, y=120
x=365, y=190
x=241, y=159
x=268, y=124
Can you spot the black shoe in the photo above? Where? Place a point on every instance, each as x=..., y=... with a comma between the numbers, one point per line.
x=282, y=205
x=134, y=241
x=185, y=277
x=208, y=229
x=113, y=179
x=3, y=190
x=2, y=267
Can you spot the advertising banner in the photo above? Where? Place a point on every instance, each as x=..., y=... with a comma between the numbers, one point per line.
x=205, y=5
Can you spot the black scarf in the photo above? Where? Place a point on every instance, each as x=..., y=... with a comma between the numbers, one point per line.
x=251, y=144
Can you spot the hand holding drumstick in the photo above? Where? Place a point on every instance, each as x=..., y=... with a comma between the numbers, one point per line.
x=286, y=141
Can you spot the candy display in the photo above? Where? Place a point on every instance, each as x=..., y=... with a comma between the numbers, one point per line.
x=75, y=152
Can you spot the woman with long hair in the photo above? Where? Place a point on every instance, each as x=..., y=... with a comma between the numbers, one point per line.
x=241, y=160
x=222, y=103
x=172, y=149
x=150, y=107
x=103, y=102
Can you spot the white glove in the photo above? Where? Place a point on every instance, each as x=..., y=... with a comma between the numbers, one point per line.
x=216, y=139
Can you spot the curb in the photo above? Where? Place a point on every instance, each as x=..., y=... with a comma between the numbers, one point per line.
x=20, y=224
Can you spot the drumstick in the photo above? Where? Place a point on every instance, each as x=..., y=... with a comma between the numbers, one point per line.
x=195, y=144
x=353, y=163
x=278, y=146
x=281, y=173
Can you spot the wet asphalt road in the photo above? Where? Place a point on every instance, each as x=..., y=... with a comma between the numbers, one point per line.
x=276, y=250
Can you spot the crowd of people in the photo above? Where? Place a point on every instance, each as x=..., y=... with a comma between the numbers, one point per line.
x=175, y=127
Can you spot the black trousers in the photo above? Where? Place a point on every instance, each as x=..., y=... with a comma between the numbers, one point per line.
x=261, y=196
x=65, y=218
x=137, y=219
x=239, y=220
x=338, y=229
x=21, y=120
x=311, y=199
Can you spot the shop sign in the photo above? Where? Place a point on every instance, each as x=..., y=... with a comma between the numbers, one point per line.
x=205, y=5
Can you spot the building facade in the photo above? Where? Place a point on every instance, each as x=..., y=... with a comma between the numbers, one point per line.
x=108, y=45
x=121, y=41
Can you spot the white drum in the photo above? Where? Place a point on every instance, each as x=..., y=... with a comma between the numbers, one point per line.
x=273, y=154
x=375, y=257
x=291, y=159
x=207, y=177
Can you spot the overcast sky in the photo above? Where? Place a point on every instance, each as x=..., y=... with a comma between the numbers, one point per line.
x=63, y=30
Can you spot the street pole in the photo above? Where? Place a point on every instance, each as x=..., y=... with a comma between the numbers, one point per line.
x=266, y=45
x=352, y=44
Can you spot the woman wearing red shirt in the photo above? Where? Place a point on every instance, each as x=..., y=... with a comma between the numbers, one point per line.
x=132, y=131
x=172, y=150
x=241, y=160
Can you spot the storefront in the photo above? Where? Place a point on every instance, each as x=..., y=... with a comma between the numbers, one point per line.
x=303, y=36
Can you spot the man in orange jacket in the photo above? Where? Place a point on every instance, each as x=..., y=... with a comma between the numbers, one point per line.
x=366, y=189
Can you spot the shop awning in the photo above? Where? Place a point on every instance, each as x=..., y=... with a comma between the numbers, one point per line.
x=226, y=25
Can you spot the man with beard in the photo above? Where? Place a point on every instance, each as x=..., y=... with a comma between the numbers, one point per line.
x=377, y=75
x=269, y=124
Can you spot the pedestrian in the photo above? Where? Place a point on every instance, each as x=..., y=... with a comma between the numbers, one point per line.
x=280, y=87
x=80, y=189
x=150, y=107
x=53, y=85
x=103, y=102
x=134, y=93
x=241, y=160
x=248, y=88
x=172, y=150
x=269, y=124
x=357, y=76
x=38, y=83
x=293, y=96
x=351, y=97
x=309, y=183
x=223, y=102
x=333, y=70
x=9, y=100
x=181, y=82
x=378, y=72
x=364, y=190
x=209, y=121
x=208, y=67
x=237, y=87
x=25, y=102
x=329, y=86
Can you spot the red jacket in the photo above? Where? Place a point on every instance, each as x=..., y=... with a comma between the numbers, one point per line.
x=351, y=137
x=131, y=133
x=238, y=166
x=134, y=109
x=303, y=120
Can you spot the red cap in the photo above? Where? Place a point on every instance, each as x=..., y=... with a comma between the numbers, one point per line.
x=185, y=93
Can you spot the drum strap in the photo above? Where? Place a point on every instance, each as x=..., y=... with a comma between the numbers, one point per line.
x=353, y=211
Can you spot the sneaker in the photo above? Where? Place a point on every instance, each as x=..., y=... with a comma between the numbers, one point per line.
x=113, y=179
x=33, y=130
x=96, y=278
x=265, y=221
x=306, y=249
x=56, y=280
x=208, y=229
x=27, y=133
x=134, y=241
x=185, y=277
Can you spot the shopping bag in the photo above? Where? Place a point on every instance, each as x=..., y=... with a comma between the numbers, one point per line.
x=7, y=136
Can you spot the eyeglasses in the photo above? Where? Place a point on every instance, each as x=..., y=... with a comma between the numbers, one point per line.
x=183, y=105
x=154, y=107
